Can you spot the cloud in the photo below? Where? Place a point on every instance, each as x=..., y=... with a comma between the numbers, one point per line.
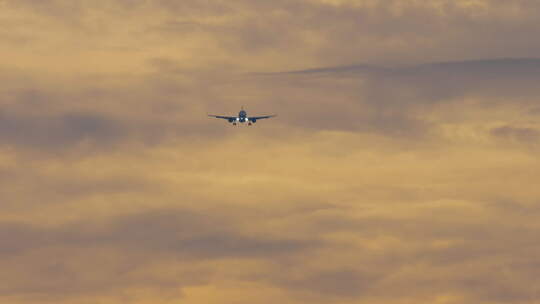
x=61, y=131
x=402, y=101
x=43, y=116
x=527, y=135
x=176, y=237
x=337, y=283
x=398, y=170
x=443, y=81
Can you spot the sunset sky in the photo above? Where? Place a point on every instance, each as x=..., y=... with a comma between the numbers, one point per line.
x=403, y=166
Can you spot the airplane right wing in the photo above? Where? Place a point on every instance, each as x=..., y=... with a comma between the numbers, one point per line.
x=255, y=118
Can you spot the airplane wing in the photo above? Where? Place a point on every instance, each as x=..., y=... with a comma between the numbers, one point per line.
x=255, y=118
x=229, y=118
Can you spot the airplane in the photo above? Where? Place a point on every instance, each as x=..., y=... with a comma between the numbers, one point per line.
x=242, y=118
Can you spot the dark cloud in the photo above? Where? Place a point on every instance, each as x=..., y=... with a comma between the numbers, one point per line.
x=180, y=233
x=58, y=132
x=535, y=111
x=188, y=234
x=173, y=236
x=443, y=81
x=398, y=101
x=378, y=31
x=338, y=283
x=526, y=135
x=381, y=31
x=144, y=110
x=462, y=254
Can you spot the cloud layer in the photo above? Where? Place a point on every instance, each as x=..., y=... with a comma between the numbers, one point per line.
x=402, y=167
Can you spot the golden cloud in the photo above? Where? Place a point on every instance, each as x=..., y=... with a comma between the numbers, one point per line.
x=402, y=167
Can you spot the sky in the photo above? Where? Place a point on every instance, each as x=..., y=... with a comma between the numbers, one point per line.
x=402, y=167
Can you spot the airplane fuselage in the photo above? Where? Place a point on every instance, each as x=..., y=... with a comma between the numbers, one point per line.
x=242, y=116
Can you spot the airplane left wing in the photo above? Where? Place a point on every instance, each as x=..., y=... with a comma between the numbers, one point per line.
x=229, y=118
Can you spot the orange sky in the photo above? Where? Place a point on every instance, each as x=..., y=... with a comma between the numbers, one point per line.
x=402, y=168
